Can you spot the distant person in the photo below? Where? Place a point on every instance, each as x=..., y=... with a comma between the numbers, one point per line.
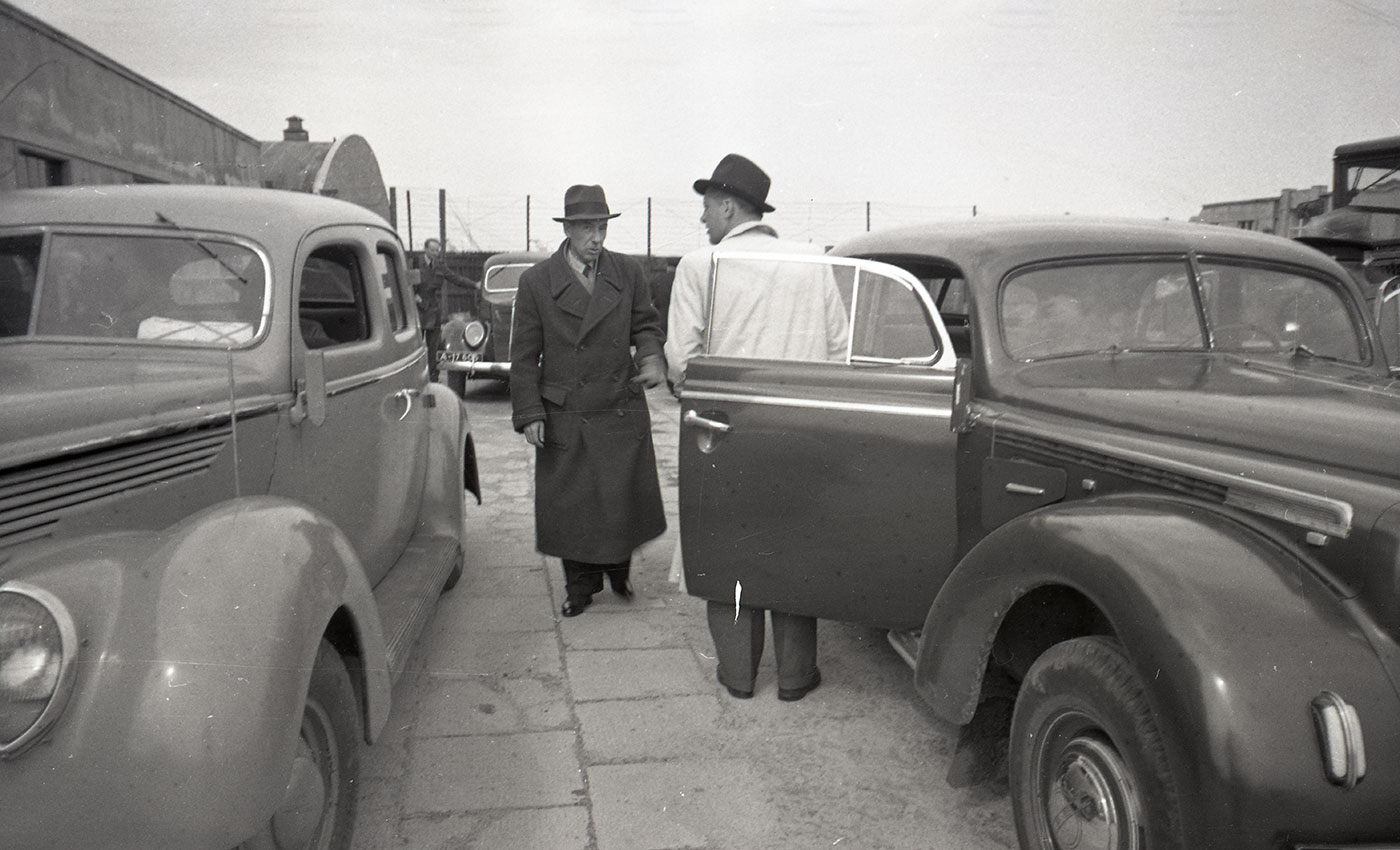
x=577, y=394
x=435, y=279
x=790, y=312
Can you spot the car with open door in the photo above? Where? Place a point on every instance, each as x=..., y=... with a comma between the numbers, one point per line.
x=1126, y=496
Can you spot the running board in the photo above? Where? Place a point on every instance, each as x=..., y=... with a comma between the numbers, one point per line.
x=407, y=597
x=906, y=643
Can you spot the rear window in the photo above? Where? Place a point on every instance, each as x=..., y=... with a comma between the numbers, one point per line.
x=155, y=290
x=505, y=278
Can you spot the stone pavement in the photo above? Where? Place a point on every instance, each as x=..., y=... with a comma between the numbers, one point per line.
x=516, y=728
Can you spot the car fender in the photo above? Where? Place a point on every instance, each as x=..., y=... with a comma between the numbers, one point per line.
x=1232, y=634
x=451, y=465
x=196, y=646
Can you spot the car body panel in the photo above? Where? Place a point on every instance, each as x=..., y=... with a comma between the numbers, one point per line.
x=209, y=513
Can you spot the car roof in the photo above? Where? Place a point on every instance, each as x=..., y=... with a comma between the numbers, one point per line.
x=995, y=245
x=507, y=257
x=226, y=209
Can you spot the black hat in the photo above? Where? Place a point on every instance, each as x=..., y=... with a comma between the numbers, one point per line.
x=739, y=177
x=585, y=203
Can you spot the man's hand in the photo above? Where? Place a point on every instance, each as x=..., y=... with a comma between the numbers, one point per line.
x=534, y=434
x=651, y=373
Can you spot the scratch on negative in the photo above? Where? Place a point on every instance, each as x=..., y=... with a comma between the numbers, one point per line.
x=738, y=592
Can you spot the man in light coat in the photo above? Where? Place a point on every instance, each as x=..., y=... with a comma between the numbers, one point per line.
x=577, y=394
x=791, y=311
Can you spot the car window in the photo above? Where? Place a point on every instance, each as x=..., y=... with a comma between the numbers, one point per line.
x=1254, y=309
x=19, y=277
x=153, y=289
x=814, y=308
x=1164, y=305
x=333, y=306
x=391, y=287
x=505, y=278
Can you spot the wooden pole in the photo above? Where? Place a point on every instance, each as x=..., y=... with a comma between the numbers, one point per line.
x=442, y=219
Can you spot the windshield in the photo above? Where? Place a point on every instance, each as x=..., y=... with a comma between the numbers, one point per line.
x=505, y=278
x=151, y=289
x=1375, y=186
x=1162, y=305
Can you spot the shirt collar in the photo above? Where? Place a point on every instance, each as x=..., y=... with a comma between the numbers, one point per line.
x=746, y=226
x=574, y=262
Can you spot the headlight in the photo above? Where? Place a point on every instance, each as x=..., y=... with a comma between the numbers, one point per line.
x=474, y=334
x=37, y=642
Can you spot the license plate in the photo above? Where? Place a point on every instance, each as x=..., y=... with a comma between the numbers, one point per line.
x=459, y=356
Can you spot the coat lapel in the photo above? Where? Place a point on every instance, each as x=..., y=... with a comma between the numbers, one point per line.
x=607, y=292
x=569, y=295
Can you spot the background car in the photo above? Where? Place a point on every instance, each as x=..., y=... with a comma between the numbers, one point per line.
x=476, y=342
x=1125, y=495
x=229, y=497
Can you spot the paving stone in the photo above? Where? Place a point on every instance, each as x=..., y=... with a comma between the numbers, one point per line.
x=634, y=673
x=476, y=772
x=493, y=706
x=450, y=652
x=558, y=828
x=650, y=730
x=676, y=805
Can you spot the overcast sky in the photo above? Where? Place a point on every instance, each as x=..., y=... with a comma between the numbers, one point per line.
x=922, y=108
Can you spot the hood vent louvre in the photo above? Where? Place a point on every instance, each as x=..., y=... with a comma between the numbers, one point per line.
x=1152, y=476
x=35, y=497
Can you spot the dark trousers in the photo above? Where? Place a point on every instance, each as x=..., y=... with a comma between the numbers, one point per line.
x=739, y=646
x=582, y=580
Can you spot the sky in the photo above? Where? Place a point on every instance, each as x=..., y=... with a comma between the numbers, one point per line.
x=912, y=109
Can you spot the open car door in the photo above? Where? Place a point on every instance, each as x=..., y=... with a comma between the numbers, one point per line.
x=822, y=487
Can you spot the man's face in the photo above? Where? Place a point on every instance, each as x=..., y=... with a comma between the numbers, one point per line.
x=432, y=248
x=716, y=216
x=586, y=237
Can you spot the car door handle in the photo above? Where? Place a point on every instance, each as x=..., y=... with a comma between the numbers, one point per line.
x=693, y=418
x=408, y=395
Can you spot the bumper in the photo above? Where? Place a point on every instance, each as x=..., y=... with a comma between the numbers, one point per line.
x=476, y=368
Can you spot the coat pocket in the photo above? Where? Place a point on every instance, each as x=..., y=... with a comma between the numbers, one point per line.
x=554, y=393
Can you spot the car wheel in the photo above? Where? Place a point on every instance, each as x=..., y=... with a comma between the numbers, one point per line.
x=1088, y=764
x=318, y=810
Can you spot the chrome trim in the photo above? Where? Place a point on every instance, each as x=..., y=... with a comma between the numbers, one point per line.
x=1296, y=507
x=67, y=667
x=693, y=418
x=373, y=376
x=820, y=404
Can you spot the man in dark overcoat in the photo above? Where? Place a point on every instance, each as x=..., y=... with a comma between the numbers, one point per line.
x=578, y=395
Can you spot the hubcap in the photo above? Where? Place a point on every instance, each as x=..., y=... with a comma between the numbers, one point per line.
x=308, y=810
x=1090, y=800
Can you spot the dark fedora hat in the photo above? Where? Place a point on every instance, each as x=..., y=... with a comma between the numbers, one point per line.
x=585, y=203
x=740, y=177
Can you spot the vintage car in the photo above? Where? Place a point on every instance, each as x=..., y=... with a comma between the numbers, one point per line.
x=476, y=342
x=229, y=499
x=1127, y=495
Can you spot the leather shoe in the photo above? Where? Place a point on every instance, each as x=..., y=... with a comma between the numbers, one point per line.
x=795, y=694
x=572, y=608
x=738, y=694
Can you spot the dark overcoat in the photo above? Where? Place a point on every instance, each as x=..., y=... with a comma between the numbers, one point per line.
x=571, y=364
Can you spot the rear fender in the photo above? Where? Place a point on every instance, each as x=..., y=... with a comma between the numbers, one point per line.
x=196, y=650
x=1232, y=634
x=451, y=465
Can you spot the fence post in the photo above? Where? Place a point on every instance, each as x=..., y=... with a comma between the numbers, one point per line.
x=442, y=219
x=408, y=209
x=648, y=225
x=527, y=222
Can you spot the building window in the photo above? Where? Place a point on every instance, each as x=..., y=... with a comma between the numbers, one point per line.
x=36, y=171
x=1247, y=224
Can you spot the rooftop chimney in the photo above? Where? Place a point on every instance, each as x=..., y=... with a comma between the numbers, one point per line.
x=294, y=133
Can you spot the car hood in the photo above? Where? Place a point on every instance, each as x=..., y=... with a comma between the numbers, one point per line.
x=1331, y=416
x=61, y=398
